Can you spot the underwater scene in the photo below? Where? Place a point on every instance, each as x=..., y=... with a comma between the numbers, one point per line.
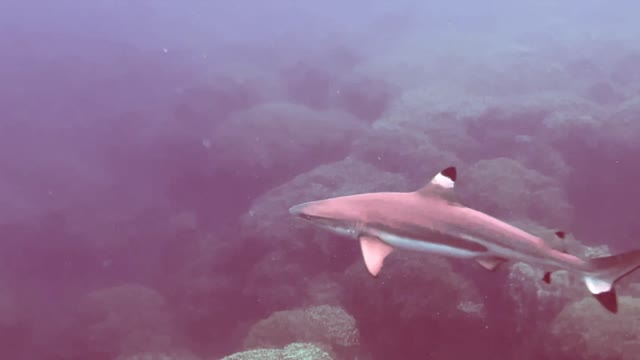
x=319, y=180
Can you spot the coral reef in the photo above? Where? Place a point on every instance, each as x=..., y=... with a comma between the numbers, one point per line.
x=505, y=188
x=126, y=319
x=297, y=351
x=331, y=326
x=584, y=330
x=412, y=305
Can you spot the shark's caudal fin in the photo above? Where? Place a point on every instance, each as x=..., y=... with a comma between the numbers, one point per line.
x=604, y=273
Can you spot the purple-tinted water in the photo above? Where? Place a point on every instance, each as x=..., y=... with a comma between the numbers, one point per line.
x=150, y=151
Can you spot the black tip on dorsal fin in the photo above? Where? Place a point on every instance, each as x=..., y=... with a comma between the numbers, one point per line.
x=450, y=172
x=547, y=277
x=561, y=234
x=441, y=185
x=609, y=300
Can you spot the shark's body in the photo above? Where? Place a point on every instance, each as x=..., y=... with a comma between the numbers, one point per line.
x=432, y=220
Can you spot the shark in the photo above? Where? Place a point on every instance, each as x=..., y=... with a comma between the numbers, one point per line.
x=433, y=220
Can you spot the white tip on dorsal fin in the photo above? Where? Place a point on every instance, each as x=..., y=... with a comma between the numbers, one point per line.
x=442, y=184
x=374, y=252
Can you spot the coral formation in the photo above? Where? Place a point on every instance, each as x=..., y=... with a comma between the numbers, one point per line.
x=324, y=324
x=505, y=188
x=296, y=351
x=126, y=319
x=585, y=331
x=412, y=304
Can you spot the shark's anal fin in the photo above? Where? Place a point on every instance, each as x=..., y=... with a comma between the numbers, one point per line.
x=547, y=277
x=490, y=262
x=374, y=252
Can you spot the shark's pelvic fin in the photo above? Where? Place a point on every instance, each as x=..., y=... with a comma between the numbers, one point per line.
x=605, y=271
x=490, y=262
x=374, y=252
x=442, y=184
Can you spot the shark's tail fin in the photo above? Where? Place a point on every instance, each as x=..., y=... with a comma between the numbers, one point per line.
x=605, y=271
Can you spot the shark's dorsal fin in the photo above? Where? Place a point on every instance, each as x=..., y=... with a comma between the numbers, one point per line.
x=443, y=185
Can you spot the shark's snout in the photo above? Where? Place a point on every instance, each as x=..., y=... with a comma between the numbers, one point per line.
x=308, y=211
x=297, y=210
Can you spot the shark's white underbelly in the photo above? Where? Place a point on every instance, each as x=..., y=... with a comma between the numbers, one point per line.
x=538, y=258
x=423, y=246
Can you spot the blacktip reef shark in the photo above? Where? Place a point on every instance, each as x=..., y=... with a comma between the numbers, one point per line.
x=432, y=220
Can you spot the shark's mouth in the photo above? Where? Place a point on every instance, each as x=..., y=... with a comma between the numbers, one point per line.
x=323, y=221
x=315, y=218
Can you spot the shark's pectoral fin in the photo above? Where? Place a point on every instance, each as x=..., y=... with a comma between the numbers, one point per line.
x=490, y=262
x=374, y=252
